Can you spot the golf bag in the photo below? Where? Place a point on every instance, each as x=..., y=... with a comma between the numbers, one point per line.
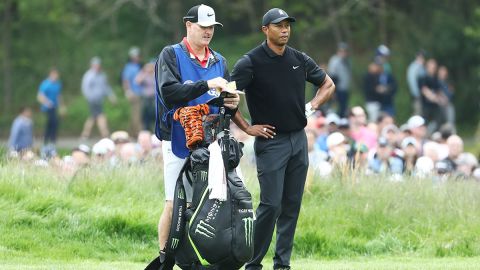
x=210, y=233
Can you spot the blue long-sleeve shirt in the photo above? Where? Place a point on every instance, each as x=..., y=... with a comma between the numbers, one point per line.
x=21, y=134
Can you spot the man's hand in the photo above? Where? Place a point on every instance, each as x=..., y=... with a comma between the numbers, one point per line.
x=265, y=131
x=218, y=82
x=231, y=101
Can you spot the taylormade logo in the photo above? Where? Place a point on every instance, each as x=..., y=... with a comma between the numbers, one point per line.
x=248, y=225
x=205, y=229
x=179, y=222
x=212, y=213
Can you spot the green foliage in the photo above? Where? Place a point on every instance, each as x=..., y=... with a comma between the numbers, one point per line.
x=67, y=34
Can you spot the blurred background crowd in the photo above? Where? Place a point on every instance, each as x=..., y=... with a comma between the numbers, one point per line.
x=366, y=138
x=410, y=67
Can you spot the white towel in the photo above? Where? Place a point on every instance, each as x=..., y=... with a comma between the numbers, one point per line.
x=217, y=180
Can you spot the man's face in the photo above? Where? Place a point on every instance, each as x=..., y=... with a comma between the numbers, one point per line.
x=431, y=67
x=277, y=33
x=199, y=35
x=54, y=75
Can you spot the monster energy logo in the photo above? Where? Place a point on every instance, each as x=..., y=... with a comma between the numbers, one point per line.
x=205, y=229
x=174, y=243
x=248, y=222
x=181, y=194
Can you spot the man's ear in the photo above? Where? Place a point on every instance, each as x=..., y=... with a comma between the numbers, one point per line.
x=265, y=29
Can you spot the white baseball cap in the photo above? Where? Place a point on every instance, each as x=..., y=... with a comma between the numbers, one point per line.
x=335, y=139
x=415, y=122
x=203, y=15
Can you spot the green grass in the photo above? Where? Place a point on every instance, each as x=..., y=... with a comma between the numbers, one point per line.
x=105, y=218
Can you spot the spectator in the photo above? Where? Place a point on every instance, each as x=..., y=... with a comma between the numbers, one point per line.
x=410, y=154
x=133, y=91
x=448, y=165
x=103, y=151
x=432, y=98
x=81, y=156
x=359, y=132
x=448, y=92
x=95, y=88
x=476, y=174
x=370, y=85
x=337, y=149
x=358, y=156
x=382, y=56
x=49, y=96
x=430, y=150
x=384, y=160
x=386, y=90
x=332, y=122
x=129, y=154
x=119, y=138
x=416, y=71
x=144, y=141
x=466, y=164
x=391, y=134
x=21, y=133
x=418, y=130
x=146, y=80
x=424, y=167
x=339, y=68
x=383, y=120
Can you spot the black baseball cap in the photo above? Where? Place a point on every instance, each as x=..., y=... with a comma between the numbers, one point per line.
x=203, y=15
x=276, y=15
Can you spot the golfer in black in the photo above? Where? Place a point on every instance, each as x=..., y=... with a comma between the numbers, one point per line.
x=273, y=76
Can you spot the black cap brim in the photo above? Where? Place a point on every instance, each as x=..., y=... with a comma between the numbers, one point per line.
x=290, y=19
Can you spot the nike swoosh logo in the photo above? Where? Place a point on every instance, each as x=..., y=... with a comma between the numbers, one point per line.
x=210, y=15
x=295, y=67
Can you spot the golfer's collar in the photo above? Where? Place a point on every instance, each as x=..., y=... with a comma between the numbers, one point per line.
x=269, y=51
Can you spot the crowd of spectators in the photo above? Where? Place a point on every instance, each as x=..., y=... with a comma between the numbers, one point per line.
x=365, y=138
x=119, y=149
x=385, y=148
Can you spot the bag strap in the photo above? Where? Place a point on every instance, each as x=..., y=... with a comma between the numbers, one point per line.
x=177, y=233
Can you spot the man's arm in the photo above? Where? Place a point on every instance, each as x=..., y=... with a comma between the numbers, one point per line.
x=317, y=76
x=412, y=80
x=42, y=98
x=265, y=131
x=324, y=93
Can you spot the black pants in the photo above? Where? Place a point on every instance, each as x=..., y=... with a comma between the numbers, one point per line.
x=282, y=165
x=51, y=126
x=148, y=113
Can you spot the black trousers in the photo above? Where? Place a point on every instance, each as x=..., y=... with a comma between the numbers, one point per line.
x=282, y=165
x=51, y=126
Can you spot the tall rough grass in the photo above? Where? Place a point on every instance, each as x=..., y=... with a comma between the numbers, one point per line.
x=111, y=214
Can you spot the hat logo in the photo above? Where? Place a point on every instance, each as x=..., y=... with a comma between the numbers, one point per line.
x=281, y=12
x=210, y=14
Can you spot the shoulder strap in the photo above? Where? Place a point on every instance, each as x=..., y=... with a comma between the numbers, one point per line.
x=178, y=215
